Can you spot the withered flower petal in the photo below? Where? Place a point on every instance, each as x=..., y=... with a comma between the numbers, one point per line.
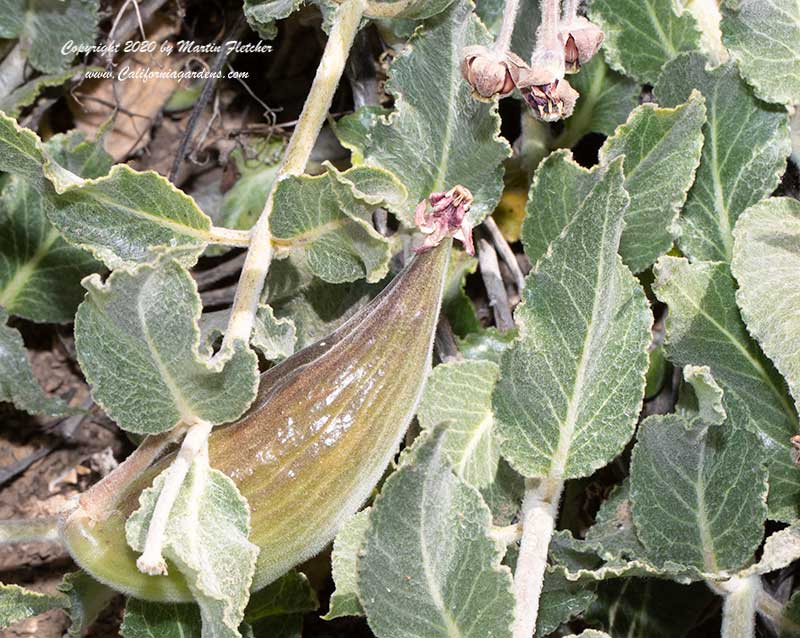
x=552, y=101
x=445, y=215
x=486, y=72
x=582, y=39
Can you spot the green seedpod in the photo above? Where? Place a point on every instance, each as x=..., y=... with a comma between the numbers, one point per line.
x=325, y=425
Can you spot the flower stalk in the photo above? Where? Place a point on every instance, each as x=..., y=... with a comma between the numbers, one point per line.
x=739, y=609
x=503, y=42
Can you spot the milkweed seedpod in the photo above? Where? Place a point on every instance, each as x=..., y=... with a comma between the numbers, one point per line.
x=321, y=432
x=582, y=39
x=447, y=217
x=486, y=72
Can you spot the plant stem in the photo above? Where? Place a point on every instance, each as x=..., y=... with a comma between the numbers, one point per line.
x=571, y=10
x=547, y=36
x=538, y=518
x=196, y=440
x=29, y=530
x=739, y=609
x=228, y=236
x=254, y=271
x=510, y=10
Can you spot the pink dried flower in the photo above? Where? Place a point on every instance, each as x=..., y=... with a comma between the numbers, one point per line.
x=445, y=215
x=582, y=39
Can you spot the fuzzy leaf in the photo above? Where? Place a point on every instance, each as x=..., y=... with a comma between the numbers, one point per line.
x=437, y=127
x=243, y=203
x=560, y=187
x=427, y=545
x=146, y=321
x=606, y=100
x=290, y=594
x=328, y=218
x=704, y=401
x=643, y=35
x=345, y=599
x=17, y=603
x=160, y=620
x=406, y=9
x=560, y=603
x=649, y=608
x=87, y=598
x=698, y=493
x=780, y=549
x=40, y=273
x=262, y=14
x=570, y=388
x=460, y=395
x=44, y=26
x=733, y=174
x=206, y=540
x=122, y=218
x=274, y=338
x=17, y=383
x=26, y=94
x=704, y=328
x=662, y=150
x=763, y=36
x=766, y=263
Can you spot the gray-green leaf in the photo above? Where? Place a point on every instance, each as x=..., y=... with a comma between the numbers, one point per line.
x=144, y=619
x=17, y=383
x=606, y=100
x=698, y=493
x=643, y=35
x=438, y=135
x=40, y=273
x=262, y=14
x=243, y=203
x=428, y=567
x=17, y=603
x=344, y=561
x=763, y=36
x=744, y=153
x=138, y=345
x=704, y=328
x=460, y=395
x=122, y=218
x=662, y=148
x=570, y=388
x=206, y=540
x=766, y=263
x=45, y=26
x=327, y=221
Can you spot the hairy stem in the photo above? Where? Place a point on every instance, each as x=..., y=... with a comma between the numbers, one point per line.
x=739, y=608
x=571, y=10
x=538, y=518
x=29, y=530
x=510, y=10
x=103, y=497
x=229, y=236
x=547, y=36
x=152, y=561
x=254, y=271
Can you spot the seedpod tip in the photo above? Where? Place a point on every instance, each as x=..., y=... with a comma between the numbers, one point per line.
x=321, y=432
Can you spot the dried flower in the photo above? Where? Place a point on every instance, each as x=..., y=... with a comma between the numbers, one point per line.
x=551, y=98
x=486, y=72
x=447, y=217
x=582, y=39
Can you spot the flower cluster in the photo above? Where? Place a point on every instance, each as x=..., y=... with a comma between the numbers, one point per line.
x=563, y=46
